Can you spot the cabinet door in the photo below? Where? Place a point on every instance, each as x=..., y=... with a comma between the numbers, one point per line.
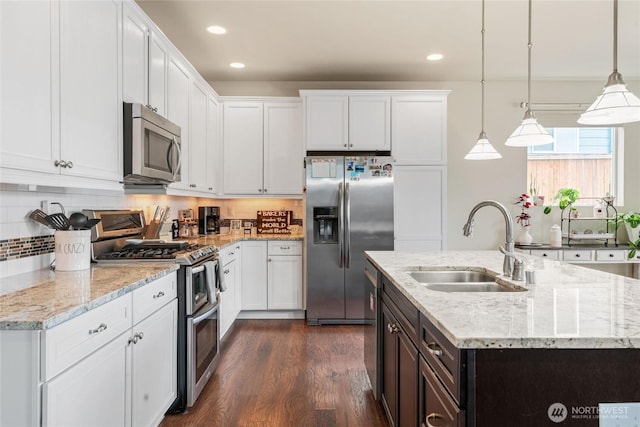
x=27, y=86
x=90, y=96
x=326, y=122
x=389, y=366
x=435, y=405
x=284, y=282
x=154, y=366
x=419, y=130
x=419, y=206
x=178, y=87
x=283, y=154
x=370, y=123
x=198, y=139
x=213, y=149
x=407, y=381
x=99, y=382
x=135, y=42
x=228, y=301
x=158, y=65
x=254, y=275
x=243, y=136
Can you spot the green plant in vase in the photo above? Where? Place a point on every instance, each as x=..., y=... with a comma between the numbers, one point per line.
x=631, y=221
x=565, y=197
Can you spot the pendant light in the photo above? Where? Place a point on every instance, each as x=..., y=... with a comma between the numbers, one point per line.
x=482, y=150
x=530, y=132
x=616, y=105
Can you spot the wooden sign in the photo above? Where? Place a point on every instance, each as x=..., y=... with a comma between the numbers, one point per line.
x=274, y=222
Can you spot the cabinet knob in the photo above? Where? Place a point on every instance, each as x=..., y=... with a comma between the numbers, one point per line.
x=577, y=255
x=69, y=165
x=611, y=255
x=265, y=190
x=269, y=260
x=345, y=145
x=60, y=163
x=259, y=190
x=544, y=254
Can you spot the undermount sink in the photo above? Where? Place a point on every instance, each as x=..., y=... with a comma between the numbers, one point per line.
x=460, y=281
x=450, y=276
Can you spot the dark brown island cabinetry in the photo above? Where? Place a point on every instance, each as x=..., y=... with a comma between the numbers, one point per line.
x=429, y=382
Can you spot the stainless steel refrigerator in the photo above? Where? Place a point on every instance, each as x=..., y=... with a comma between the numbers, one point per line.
x=349, y=210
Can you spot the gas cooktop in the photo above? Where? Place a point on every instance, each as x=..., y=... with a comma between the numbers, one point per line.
x=180, y=252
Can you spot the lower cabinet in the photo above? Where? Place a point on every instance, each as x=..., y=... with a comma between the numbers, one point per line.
x=436, y=408
x=230, y=299
x=272, y=275
x=400, y=371
x=114, y=365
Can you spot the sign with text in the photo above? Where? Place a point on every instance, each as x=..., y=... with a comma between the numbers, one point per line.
x=274, y=222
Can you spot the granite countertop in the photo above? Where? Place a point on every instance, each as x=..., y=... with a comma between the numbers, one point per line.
x=222, y=240
x=568, y=307
x=43, y=299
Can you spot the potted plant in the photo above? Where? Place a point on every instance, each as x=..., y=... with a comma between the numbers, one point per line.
x=565, y=197
x=631, y=221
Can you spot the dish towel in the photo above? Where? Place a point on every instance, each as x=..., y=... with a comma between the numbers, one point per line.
x=221, y=285
x=210, y=277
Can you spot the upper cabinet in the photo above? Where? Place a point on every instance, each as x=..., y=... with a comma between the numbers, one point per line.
x=339, y=122
x=144, y=61
x=60, y=81
x=262, y=147
x=419, y=128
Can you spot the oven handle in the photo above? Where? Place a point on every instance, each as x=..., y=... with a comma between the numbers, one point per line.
x=197, y=269
x=208, y=312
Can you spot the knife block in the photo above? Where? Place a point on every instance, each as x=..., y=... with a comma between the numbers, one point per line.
x=153, y=230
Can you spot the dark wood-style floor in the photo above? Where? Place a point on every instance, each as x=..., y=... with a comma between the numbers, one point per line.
x=283, y=373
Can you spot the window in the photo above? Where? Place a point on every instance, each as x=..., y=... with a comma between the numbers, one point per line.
x=588, y=159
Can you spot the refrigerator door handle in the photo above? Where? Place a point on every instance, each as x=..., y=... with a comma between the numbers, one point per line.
x=340, y=226
x=347, y=231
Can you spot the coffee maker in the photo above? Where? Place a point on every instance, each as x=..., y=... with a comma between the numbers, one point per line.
x=209, y=220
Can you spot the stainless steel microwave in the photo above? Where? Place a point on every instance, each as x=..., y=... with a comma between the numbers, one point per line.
x=152, y=152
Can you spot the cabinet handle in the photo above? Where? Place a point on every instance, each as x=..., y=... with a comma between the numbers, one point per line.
x=60, y=163
x=433, y=416
x=345, y=145
x=226, y=272
x=69, y=165
x=393, y=328
x=133, y=339
x=231, y=253
x=192, y=185
x=259, y=190
x=265, y=190
x=285, y=247
x=154, y=109
x=158, y=295
x=101, y=328
x=577, y=255
x=544, y=254
x=140, y=335
x=210, y=188
x=611, y=255
x=434, y=349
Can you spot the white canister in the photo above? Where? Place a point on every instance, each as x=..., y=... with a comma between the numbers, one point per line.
x=73, y=250
x=555, y=236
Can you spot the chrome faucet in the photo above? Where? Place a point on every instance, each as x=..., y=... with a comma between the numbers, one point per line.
x=507, y=266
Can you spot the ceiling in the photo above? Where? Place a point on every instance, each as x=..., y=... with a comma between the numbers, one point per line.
x=344, y=40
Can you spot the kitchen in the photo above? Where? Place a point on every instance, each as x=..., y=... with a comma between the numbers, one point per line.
x=467, y=183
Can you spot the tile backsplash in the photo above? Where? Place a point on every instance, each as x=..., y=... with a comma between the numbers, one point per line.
x=26, y=245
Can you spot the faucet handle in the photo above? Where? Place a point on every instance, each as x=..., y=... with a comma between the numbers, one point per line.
x=507, y=253
x=518, y=265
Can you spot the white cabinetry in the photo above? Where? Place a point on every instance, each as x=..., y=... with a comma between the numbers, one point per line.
x=144, y=60
x=230, y=299
x=213, y=150
x=262, y=148
x=198, y=139
x=338, y=122
x=61, y=81
x=419, y=129
x=178, y=88
x=284, y=282
x=254, y=275
x=419, y=201
x=113, y=365
x=272, y=275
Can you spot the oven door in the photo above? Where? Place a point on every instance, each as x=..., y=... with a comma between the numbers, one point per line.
x=200, y=287
x=203, y=341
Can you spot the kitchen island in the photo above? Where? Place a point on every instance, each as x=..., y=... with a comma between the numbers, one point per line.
x=552, y=352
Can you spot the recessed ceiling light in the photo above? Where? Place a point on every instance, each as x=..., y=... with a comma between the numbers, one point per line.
x=216, y=29
x=435, y=57
x=236, y=65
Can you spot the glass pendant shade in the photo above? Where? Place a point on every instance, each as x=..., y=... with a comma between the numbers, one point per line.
x=483, y=150
x=529, y=133
x=615, y=106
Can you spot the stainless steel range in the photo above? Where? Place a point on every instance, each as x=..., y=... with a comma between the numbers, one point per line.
x=119, y=240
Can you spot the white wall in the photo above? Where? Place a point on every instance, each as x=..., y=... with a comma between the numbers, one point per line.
x=472, y=181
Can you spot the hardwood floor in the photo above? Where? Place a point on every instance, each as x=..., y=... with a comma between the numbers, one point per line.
x=281, y=373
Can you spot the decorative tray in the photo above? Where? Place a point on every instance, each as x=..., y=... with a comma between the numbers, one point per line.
x=587, y=236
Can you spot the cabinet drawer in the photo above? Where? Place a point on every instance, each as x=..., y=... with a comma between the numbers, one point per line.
x=576, y=255
x=547, y=253
x=610, y=255
x=230, y=252
x=406, y=312
x=152, y=296
x=436, y=406
x=67, y=343
x=447, y=361
x=284, y=247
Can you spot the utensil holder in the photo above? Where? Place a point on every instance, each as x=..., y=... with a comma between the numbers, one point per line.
x=72, y=249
